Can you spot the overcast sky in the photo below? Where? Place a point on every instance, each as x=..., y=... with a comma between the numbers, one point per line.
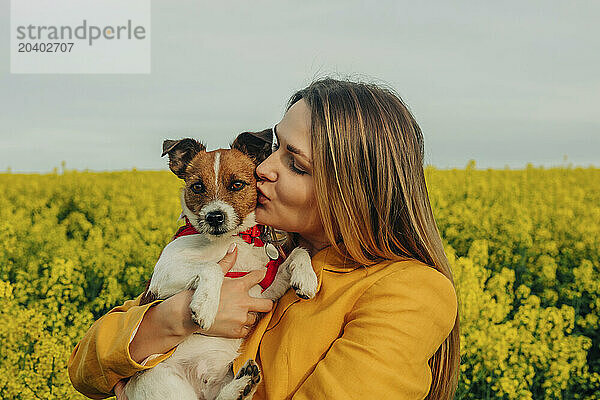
x=503, y=83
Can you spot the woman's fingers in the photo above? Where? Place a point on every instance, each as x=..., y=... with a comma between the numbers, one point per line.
x=251, y=319
x=248, y=281
x=260, y=305
x=228, y=260
x=244, y=331
x=252, y=278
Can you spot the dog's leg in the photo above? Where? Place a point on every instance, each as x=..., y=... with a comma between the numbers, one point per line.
x=159, y=383
x=205, y=300
x=296, y=272
x=243, y=386
x=280, y=284
x=175, y=271
x=303, y=278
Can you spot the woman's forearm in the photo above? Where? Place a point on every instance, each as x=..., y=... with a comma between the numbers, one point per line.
x=163, y=327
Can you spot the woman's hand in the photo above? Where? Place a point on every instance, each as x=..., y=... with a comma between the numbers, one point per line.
x=169, y=322
x=237, y=310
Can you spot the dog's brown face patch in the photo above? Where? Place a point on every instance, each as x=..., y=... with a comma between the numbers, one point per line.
x=237, y=167
x=200, y=173
x=225, y=176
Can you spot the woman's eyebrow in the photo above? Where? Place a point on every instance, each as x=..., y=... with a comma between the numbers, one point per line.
x=291, y=148
x=297, y=151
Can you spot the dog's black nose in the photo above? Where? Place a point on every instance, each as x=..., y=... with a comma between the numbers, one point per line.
x=215, y=218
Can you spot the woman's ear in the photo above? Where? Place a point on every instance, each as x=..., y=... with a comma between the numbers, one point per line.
x=257, y=145
x=181, y=152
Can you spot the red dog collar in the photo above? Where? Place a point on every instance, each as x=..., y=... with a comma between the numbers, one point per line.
x=250, y=236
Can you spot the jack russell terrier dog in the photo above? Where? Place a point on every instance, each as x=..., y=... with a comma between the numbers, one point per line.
x=218, y=202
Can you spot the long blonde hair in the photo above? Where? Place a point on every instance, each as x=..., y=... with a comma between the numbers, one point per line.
x=368, y=170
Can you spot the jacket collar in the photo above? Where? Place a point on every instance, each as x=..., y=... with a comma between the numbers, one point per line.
x=329, y=259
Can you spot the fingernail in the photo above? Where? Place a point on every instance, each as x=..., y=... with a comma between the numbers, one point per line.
x=231, y=248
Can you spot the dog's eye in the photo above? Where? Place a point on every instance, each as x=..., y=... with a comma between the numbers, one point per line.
x=237, y=185
x=198, y=187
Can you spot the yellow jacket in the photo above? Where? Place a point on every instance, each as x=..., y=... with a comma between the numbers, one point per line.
x=367, y=334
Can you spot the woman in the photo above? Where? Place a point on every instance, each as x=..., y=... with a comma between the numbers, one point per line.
x=346, y=175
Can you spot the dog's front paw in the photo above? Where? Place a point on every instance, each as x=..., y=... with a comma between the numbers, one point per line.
x=205, y=300
x=204, y=306
x=303, y=278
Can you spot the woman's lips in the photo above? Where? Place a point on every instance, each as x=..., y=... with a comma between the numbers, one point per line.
x=262, y=199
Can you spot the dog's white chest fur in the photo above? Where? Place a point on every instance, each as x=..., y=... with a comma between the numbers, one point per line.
x=184, y=257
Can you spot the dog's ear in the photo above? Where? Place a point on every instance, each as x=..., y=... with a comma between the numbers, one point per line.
x=255, y=144
x=181, y=153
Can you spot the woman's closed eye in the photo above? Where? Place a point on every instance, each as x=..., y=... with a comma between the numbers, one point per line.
x=292, y=165
x=291, y=161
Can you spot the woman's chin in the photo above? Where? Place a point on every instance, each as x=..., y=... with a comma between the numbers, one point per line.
x=263, y=217
x=260, y=215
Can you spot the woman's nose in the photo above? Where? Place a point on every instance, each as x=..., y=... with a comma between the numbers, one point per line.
x=265, y=170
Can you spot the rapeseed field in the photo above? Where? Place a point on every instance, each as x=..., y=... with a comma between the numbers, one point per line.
x=524, y=246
